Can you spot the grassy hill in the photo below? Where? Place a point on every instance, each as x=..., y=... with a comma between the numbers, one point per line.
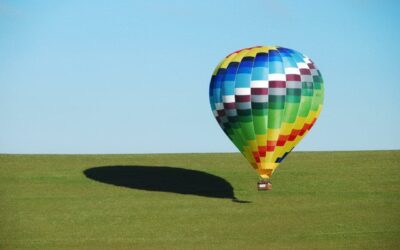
x=324, y=200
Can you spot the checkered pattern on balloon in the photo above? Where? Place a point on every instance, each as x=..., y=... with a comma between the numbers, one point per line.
x=266, y=99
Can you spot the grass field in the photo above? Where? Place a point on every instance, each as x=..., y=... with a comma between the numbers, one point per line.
x=326, y=200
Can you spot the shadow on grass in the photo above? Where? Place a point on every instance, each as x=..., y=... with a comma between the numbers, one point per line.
x=164, y=179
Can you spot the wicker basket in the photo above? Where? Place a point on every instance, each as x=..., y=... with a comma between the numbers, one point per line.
x=264, y=185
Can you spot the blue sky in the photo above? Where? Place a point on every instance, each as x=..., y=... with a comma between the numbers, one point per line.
x=133, y=76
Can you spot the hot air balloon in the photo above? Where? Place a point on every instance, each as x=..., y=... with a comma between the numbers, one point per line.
x=266, y=99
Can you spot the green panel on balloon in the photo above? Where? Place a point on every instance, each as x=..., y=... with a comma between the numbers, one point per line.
x=260, y=125
x=293, y=99
x=274, y=118
x=259, y=106
x=260, y=112
x=291, y=110
x=248, y=130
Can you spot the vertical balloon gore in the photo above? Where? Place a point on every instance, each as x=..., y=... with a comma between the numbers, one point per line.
x=266, y=99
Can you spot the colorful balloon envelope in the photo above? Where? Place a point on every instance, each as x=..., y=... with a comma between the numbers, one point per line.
x=266, y=99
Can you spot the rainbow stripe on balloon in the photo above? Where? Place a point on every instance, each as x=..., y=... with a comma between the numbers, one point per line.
x=266, y=99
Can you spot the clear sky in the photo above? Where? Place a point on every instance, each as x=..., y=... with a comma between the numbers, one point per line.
x=133, y=76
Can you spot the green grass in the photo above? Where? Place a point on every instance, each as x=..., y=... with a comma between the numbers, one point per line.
x=326, y=200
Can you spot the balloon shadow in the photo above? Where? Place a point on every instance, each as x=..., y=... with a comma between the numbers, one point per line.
x=164, y=179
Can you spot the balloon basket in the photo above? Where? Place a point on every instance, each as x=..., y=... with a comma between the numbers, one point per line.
x=264, y=185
